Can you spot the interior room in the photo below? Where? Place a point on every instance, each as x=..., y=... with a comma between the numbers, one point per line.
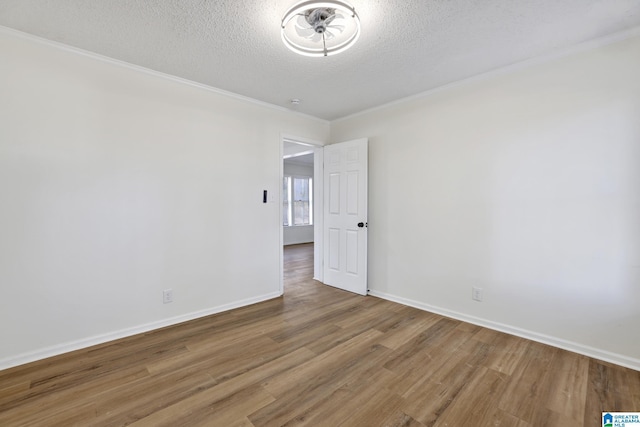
x=297, y=193
x=145, y=232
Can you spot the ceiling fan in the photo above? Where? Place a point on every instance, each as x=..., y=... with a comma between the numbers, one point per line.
x=314, y=28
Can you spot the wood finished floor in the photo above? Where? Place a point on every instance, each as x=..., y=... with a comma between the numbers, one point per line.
x=320, y=357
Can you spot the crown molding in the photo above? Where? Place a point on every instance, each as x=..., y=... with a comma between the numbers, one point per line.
x=561, y=53
x=508, y=69
x=112, y=61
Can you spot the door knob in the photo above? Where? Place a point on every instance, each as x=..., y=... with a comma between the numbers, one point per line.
x=361, y=224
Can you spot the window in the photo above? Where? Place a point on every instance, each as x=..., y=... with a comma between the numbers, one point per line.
x=297, y=201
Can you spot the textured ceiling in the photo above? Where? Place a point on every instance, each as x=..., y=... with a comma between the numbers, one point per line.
x=406, y=47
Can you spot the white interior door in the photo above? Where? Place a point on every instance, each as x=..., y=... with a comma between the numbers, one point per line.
x=345, y=215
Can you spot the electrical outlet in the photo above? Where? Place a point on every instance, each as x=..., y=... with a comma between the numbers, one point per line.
x=476, y=294
x=167, y=296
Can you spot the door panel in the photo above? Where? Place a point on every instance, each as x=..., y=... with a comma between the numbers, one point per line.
x=345, y=200
x=334, y=193
x=352, y=252
x=352, y=192
x=334, y=249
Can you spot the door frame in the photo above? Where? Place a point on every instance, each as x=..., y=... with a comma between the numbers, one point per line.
x=318, y=204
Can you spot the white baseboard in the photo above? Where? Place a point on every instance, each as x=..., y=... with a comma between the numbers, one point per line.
x=606, y=356
x=297, y=242
x=618, y=359
x=56, y=350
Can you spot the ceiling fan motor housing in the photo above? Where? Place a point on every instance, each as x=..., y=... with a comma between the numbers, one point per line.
x=319, y=18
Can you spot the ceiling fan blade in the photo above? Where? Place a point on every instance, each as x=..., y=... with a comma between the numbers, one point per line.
x=330, y=19
x=301, y=21
x=305, y=32
x=336, y=28
x=339, y=21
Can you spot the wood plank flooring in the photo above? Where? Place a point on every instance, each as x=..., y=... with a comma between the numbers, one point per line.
x=319, y=357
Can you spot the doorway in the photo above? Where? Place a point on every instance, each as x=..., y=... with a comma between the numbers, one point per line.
x=297, y=194
x=340, y=250
x=301, y=199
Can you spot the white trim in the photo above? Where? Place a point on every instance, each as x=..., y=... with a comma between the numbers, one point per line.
x=508, y=69
x=318, y=214
x=280, y=225
x=140, y=69
x=618, y=359
x=302, y=141
x=581, y=47
x=291, y=161
x=58, y=349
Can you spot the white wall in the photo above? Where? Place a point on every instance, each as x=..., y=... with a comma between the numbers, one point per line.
x=300, y=233
x=116, y=184
x=524, y=183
